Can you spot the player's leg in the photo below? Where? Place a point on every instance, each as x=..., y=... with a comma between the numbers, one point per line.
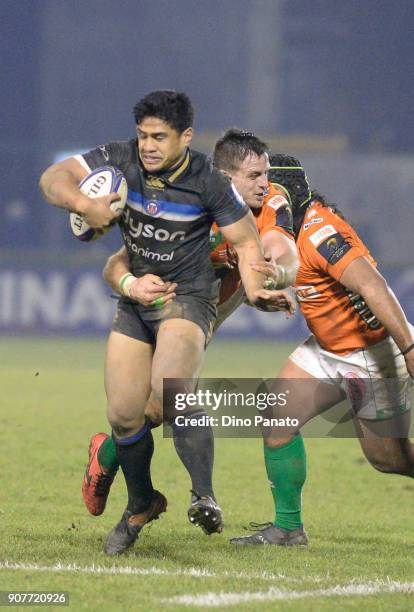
x=385, y=444
x=285, y=456
x=127, y=384
x=382, y=403
x=194, y=444
x=126, y=393
x=154, y=411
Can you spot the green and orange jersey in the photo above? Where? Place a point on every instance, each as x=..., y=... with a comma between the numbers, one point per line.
x=274, y=215
x=339, y=319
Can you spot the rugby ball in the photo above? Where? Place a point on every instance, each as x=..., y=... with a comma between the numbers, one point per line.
x=100, y=182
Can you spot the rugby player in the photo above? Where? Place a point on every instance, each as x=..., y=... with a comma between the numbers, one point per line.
x=360, y=347
x=244, y=159
x=174, y=196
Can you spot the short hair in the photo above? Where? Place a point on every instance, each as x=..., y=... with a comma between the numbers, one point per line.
x=173, y=107
x=233, y=148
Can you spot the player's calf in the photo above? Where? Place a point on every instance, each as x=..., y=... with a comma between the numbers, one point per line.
x=391, y=456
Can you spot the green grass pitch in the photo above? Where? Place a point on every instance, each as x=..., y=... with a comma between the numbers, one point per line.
x=52, y=399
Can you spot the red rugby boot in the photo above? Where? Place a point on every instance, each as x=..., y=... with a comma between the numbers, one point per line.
x=97, y=480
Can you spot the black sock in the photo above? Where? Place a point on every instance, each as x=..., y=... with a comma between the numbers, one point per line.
x=134, y=455
x=195, y=448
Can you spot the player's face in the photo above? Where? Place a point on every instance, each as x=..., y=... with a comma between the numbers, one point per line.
x=250, y=179
x=159, y=145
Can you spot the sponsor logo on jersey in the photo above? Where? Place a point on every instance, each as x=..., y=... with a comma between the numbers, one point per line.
x=321, y=234
x=146, y=253
x=277, y=201
x=147, y=230
x=313, y=222
x=311, y=214
x=306, y=292
x=362, y=309
x=151, y=207
x=154, y=182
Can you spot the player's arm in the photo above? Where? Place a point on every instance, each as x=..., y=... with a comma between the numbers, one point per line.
x=282, y=259
x=144, y=289
x=361, y=277
x=59, y=185
x=244, y=237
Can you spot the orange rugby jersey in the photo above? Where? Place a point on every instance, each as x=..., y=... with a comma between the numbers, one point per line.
x=340, y=319
x=275, y=214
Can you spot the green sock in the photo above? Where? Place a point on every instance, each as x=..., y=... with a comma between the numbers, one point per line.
x=286, y=470
x=107, y=455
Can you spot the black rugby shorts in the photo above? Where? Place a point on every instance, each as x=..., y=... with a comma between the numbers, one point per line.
x=132, y=320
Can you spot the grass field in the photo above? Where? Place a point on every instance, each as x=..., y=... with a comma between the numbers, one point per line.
x=359, y=521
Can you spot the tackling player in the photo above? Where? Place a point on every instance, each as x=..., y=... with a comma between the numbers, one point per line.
x=361, y=347
x=174, y=195
x=244, y=159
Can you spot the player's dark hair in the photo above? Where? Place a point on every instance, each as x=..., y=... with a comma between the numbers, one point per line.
x=233, y=148
x=318, y=197
x=173, y=107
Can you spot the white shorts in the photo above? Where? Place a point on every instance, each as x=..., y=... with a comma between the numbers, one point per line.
x=375, y=379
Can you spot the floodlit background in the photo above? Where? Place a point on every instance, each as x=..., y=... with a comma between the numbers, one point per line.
x=328, y=81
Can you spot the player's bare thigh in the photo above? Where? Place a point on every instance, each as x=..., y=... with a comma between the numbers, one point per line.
x=179, y=354
x=127, y=382
x=307, y=397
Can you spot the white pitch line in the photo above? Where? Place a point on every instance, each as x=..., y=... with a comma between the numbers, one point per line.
x=215, y=600
x=155, y=571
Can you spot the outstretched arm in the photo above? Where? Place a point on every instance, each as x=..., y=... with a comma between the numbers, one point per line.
x=245, y=239
x=361, y=277
x=282, y=259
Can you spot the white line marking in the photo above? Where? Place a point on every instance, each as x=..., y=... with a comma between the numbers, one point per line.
x=140, y=571
x=215, y=600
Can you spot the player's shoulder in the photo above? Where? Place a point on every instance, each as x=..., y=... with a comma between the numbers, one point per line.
x=119, y=153
x=275, y=198
x=124, y=150
x=318, y=217
x=326, y=232
x=203, y=172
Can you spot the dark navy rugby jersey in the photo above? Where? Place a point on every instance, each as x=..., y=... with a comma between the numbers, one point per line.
x=167, y=219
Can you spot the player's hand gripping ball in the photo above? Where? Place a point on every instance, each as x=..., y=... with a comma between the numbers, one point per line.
x=100, y=182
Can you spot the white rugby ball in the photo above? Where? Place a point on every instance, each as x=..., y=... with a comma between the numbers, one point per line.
x=100, y=182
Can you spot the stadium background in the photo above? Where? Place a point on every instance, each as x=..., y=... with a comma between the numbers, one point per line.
x=326, y=81
x=329, y=81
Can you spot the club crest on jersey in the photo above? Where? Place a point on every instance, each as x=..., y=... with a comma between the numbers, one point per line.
x=152, y=208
